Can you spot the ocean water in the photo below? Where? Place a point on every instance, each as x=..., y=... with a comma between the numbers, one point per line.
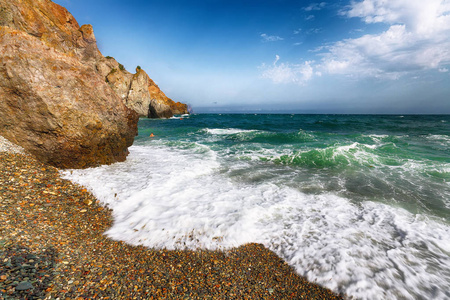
x=359, y=204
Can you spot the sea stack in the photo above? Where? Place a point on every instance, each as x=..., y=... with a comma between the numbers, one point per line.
x=60, y=98
x=138, y=91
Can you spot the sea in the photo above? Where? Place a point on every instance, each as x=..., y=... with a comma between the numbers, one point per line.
x=357, y=203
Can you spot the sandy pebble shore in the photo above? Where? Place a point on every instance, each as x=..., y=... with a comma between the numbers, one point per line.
x=52, y=246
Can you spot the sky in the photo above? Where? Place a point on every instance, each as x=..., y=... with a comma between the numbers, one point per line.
x=344, y=56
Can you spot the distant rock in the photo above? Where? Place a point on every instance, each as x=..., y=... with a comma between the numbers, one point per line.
x=60, y=98
x=139, y=91
x=147, y=99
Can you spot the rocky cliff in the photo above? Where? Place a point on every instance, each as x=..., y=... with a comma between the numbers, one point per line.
x=60, y=98
x=138, y=91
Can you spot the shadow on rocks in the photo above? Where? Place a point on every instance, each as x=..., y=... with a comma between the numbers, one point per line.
x=25, y=274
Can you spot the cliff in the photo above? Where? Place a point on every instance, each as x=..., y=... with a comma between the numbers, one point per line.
x=138, y=91
x=60, y=98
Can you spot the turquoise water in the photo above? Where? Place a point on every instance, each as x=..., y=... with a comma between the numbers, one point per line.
x=359, y=203
x=398, y=160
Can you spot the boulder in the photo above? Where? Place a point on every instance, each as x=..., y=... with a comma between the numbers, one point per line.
x=60, y=98
x=53, y=102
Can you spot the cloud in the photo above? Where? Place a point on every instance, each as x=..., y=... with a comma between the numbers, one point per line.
x=313, y=31
x=288, y=73
x=298, y=31
x=277, y=58
x=270, y=38
x=419, y=16
x=418, y=38
x=310, y=17
x=315, y=6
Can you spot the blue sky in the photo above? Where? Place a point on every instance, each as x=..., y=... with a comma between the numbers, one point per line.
x=362, y=56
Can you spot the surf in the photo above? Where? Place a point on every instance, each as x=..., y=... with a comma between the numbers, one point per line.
x=363, y=213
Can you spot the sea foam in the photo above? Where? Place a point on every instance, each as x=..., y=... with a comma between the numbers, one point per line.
x=166, y=197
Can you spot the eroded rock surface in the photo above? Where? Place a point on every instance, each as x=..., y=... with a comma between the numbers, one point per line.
x=53, y=102
x=139, y=91
x=60, y=98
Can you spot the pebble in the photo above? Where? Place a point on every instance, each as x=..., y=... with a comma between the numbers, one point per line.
x=24, y=285
x=73, y=259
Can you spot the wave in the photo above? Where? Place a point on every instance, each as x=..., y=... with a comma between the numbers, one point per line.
x=358, y=204
x=439, y=139
x=333, y=156
x=226, y=131
x=165, y=197
x=261, y=136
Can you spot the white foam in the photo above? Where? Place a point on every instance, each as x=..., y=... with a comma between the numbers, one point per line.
x=170, y=198
x=227, y=131
x=442, y=140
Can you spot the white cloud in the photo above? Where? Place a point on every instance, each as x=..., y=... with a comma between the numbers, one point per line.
x=419, y=16
x=297, y=31
x=271, y=38
x=310, y=17
x=314, y=30
x=288, y=73
x=277, y=58
x=315, y=6
x=418, y=38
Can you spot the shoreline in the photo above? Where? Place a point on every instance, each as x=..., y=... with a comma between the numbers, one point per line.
x=52, y=242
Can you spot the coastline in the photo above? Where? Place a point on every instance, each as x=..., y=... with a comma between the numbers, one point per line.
x=51, y=236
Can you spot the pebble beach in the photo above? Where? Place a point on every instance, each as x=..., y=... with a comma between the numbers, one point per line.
x=52, y=246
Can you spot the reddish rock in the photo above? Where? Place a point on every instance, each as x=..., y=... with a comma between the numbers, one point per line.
x=53, y=102
x=147, y=99
x=139, y=91
x=60, y=98
x=162, y=106
x=179, y=108
x=43, y=19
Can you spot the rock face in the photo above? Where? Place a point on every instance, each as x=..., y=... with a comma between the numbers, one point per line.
x=53, y=102
x=139, y=91
x=60, y=98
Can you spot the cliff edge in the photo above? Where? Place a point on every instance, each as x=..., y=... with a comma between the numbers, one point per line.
x=138, y=91
x=58, y=97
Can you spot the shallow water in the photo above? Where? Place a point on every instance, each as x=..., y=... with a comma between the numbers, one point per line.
x=360, y=204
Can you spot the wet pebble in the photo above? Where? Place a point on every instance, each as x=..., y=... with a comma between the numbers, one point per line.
x=52, y=246
x=24, y=285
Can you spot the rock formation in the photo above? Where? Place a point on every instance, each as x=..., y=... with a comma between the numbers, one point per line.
x=138, y=91
x=60, y=99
